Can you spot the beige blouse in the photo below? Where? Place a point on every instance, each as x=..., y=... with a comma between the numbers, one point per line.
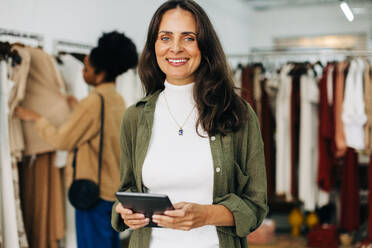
x=82, y=130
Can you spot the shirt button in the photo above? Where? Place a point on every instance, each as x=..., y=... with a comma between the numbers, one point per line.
x=213, y=138
x=218, y=169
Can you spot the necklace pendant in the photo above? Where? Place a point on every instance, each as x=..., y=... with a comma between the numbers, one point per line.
x=180, y=132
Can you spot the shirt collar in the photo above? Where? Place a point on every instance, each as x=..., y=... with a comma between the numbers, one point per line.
x=150, y=99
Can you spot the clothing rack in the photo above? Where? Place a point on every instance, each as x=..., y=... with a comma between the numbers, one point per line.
x=301, y=52
x=273, y=58
x=318, y=52
x=62, y=46
x=23, y=35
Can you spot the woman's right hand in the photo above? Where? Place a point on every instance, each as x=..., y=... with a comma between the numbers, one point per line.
x=133, y=220
x=72, y=101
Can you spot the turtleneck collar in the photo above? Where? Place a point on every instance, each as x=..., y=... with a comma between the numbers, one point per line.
x=172, y=87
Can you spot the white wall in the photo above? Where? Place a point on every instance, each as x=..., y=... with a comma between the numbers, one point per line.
x=316, y=20
x=85, y=20
x=78, y=20
x=238, y=27
x=231, y=20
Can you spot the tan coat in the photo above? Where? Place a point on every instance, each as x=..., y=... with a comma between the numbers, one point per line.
x=82, y=130
x=43, y=95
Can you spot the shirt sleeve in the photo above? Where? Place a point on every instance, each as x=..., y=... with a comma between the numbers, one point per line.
x=82, y=125
x=248, y=203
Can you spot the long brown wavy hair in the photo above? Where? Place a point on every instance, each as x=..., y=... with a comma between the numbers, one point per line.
x=220, y=109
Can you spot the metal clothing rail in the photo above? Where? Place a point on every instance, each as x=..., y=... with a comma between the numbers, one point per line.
x=62, y=46
x=315, y=53
x=72, y=44
x=320, y=52
x=13, y=33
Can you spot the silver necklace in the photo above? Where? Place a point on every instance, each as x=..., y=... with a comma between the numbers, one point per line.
x=180, y=130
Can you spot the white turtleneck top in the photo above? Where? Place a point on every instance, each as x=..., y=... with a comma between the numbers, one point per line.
x=179, y=166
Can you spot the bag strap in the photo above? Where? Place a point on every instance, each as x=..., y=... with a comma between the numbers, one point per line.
x=100, y=145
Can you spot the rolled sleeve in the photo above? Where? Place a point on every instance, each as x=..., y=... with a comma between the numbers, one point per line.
x=248, y=216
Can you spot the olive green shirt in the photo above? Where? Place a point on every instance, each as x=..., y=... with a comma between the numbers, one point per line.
x=239, y=173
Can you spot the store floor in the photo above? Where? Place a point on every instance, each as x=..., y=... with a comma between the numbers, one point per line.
x=281, y=241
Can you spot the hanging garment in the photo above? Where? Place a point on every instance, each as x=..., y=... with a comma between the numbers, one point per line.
x=247, y=85
x=339, y=139
x=22, y=235
x=42, y=201
x=272, y=88
x=350, y=199
x=295, y=112
x=257, y=91
x=9, y=218
x=309, y=192
x=330, y=80
x=129, y=87
x=1, y=220
x=370, y=199
x=238, y=80
x=43, y=95
x=19, y=76
x=368, y=105
x=72, y=73
x=353, y=112
x=1, y=231
x=325, y=134
x=268, y=129
x=283, y=161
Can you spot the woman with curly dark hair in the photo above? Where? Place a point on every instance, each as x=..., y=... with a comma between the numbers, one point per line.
x=81, y=135
x=191, y=138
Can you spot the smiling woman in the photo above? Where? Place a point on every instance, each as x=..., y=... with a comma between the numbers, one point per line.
x=212, y=168
x=176, y=48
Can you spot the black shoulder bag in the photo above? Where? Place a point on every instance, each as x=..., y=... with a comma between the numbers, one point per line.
x=83, y=194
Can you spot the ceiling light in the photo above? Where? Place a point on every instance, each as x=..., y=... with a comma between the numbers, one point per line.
x=347, y=11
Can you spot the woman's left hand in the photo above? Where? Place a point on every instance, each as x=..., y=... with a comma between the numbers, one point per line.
x=186, y=216
x=26, y=114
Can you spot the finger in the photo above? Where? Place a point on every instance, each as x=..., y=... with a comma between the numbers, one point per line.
x=134, y=227
x=134, y=216
x=175, y=213
x=137, y=222
x=183, y=225
x=166, y=220
x=120, y=209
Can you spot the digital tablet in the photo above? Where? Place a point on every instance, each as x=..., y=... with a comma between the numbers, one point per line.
x=145, y=203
